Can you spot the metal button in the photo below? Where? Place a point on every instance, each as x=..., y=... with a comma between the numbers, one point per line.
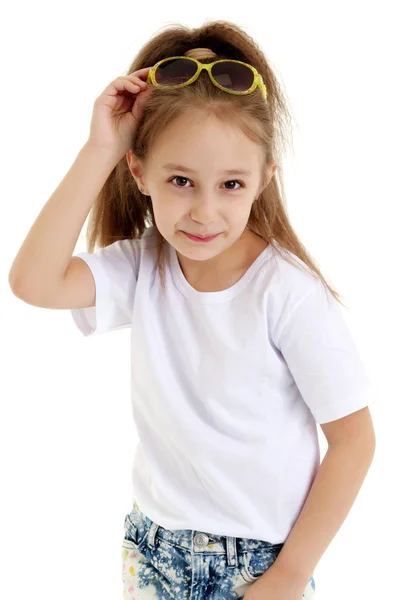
x=201, y=539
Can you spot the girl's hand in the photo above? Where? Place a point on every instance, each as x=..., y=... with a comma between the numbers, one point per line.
x=117, y=110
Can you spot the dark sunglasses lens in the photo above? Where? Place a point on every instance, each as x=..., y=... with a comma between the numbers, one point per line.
x=233, y=76
x=175, y=71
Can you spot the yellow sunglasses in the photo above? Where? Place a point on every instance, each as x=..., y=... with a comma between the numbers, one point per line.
x=232, y=76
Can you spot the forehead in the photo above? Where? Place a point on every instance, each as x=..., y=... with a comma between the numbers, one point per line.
x=207, y=144
x=186, y=169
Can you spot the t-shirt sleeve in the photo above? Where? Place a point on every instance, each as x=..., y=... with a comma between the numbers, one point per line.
x=320, y=352
x=114, y=269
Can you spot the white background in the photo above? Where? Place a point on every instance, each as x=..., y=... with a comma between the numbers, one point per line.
x=67, y=435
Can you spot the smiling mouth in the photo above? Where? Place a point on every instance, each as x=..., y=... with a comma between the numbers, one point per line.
x=203, y=237
x=199, y=238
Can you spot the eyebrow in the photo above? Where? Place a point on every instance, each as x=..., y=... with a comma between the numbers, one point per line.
x=175, y=167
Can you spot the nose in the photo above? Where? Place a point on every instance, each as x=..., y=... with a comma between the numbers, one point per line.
x=204, y=209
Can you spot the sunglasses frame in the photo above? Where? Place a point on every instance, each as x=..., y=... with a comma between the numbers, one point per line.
x=258, y=81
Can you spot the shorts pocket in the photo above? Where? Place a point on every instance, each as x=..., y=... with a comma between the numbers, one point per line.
x=255, y=562
x=132, y=559
x=132, y=552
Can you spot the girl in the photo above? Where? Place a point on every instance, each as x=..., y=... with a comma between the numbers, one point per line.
x=239, y=347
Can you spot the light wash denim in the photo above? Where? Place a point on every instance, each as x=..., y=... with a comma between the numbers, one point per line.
x=184, y=564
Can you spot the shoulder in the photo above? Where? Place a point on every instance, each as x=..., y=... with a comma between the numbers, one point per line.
x=293, y=285
x=123, y=254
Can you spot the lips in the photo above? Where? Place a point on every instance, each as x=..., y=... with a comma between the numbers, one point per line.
x=199, y=239
x=202, y=236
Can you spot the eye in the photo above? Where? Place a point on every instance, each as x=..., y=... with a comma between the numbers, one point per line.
x=230, y=181
x=179, y=177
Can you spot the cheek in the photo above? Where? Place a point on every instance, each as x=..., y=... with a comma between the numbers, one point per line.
x=167, y=216
x=239, y=212
x=169, y=209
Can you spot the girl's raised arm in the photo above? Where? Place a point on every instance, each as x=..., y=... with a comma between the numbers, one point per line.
x=44, y=273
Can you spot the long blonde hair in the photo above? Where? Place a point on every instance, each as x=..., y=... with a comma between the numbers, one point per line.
x=121, y=211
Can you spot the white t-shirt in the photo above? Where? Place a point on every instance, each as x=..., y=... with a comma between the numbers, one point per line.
x=227, y=387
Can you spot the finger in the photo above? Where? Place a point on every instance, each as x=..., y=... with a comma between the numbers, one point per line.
x=140, y=73
x=143, y=70
x=138, y=81
x=122, y=85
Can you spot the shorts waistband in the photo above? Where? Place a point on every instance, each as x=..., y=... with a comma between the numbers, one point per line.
x=201, y=542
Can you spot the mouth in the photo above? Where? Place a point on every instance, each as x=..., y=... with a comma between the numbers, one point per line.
x=200, y=238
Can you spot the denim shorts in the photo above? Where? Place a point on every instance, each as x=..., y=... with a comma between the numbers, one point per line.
x=185, y=564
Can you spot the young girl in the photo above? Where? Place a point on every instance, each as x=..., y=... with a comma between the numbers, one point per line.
x=239, y=347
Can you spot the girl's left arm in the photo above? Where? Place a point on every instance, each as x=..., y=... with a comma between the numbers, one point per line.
x=351, y=448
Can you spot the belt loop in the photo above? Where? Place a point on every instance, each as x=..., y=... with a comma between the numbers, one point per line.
x=231, y=551
x=152, y=535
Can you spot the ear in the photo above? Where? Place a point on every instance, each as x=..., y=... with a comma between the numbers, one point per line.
x=136, y=169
